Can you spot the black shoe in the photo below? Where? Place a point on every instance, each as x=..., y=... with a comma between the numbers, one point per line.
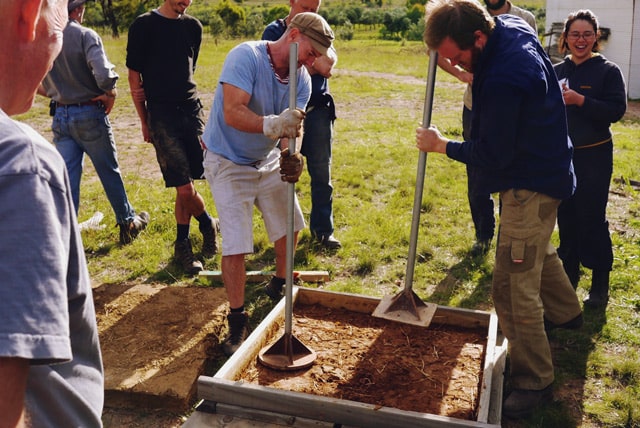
x=129, y=231
x=329, y=242
x=572, y=324
x=209, y=242
x=275, y=287
x=184, y=255
x=596, y=300
x=238, y=332
x=522, y=402
x=480, y=247
x=599, y=292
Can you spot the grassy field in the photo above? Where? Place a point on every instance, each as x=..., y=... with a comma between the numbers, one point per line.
x=379, y=88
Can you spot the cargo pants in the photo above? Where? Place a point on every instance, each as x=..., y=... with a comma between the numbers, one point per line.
x=529, y=282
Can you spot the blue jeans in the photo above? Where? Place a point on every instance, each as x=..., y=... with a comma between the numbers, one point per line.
x=480, y=201
x=86, y=129
x=316, y=147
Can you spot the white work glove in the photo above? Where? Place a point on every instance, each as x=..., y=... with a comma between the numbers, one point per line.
x=287, y=124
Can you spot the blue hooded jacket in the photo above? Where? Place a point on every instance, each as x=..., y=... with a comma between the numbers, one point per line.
x=518, y=123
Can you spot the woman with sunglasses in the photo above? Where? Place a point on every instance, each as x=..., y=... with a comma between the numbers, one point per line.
x=595, y=96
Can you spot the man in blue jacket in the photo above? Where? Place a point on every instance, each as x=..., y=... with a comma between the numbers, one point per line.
x=519, y=139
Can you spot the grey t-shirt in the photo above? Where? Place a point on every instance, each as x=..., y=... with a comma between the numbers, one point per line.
x=46, y=305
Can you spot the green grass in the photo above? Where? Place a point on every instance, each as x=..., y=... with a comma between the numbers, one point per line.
x=379, y=91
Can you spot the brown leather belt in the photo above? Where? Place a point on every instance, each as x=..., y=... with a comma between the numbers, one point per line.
x=86, y=103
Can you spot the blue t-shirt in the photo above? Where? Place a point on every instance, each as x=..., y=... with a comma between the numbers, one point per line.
x=46, y=305
x=248, y=68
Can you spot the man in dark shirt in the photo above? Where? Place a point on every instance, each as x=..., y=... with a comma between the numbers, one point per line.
x=162, y=52
x=519, y=139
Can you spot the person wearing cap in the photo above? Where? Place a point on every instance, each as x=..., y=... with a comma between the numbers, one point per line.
x=51, y=372
x=247, y=161
x=162, y=52
x=82, y=88
x=318, y=137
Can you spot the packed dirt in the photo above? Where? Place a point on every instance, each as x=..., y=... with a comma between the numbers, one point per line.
x=435, y=370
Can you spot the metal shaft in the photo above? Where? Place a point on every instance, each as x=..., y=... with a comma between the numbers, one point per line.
x=291, y=188
x=422, y=164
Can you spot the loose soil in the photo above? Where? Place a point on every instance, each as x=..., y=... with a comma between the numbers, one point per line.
x=435, y=370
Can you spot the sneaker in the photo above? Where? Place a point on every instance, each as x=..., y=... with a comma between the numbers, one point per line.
x=480, y=248
x=521, y=403
x=209, y=242
x=238, y=332
x=184, y=255
x=275, y=287
x=130, y=230
x=572, y=324
x=329, y=242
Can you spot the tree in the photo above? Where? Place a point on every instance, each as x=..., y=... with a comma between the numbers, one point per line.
x=233, y=16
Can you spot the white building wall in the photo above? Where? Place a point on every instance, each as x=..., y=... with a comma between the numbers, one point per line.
x=623, y=45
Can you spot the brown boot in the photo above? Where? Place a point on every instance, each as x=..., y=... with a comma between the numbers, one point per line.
x=209, y=242
x=130, y=230
x=599, y=293
x=238, y=332
x=523, y=402
x=184, y=255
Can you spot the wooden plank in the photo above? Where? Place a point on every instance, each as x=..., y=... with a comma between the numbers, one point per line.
x=495, y=411
x=459, y=317
x=309, y=406
x=484, y=400
x=264, y=275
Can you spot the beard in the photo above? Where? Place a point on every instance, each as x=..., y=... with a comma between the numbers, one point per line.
x=475, y=57
x=495, y=6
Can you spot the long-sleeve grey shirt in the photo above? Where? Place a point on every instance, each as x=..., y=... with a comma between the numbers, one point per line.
x=82, y=70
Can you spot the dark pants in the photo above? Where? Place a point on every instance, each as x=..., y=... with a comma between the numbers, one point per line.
x=175, y=133
x=582, y=221
x=480, y=202
x=316, y=147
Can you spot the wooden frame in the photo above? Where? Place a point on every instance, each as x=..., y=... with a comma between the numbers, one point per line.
x=223, y=391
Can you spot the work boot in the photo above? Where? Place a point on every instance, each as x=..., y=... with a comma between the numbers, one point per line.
x=480, y=247
x=238, y=332
x=129, y=231
x=209, y=242
x=572, y=324
x=275, y=287
x=522, y=402
x=184, y=255
x=599, y=293
x=329, y=242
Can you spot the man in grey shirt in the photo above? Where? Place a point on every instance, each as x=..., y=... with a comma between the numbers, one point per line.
x=50, y=363
x=82, y=87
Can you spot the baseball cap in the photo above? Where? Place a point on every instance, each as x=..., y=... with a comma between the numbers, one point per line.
x=315, y=28
x=75, y=3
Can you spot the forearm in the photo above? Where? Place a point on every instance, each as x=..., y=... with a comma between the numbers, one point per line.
x=13, y=378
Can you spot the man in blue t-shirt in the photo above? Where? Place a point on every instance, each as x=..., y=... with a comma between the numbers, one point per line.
x=249, y=124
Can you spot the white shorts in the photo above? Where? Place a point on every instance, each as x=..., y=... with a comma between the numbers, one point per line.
x=237, y=188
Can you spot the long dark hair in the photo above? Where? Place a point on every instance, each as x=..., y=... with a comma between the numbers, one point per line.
x=585, y=15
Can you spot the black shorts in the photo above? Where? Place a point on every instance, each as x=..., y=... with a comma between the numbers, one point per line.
x=175, y=133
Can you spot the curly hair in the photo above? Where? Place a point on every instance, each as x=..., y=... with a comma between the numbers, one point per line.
x=585, y=15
